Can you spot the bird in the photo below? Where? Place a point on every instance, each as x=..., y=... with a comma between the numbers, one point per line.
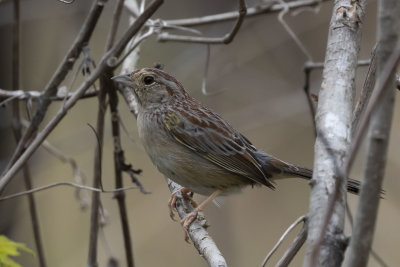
x=195, y=147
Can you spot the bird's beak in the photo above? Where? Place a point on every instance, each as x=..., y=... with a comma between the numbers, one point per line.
x=124, y=79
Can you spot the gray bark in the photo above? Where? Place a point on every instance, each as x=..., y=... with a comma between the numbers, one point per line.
x=325, y=241
x=378, y=138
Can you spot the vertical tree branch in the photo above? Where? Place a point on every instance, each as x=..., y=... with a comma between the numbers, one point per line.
x=105, y=85
x=379, y=130
x=118, y=152
x=118, y=160
x=94, y=215
x=325, y=240
x=17, y=129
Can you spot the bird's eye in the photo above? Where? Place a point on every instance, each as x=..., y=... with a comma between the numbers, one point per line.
x=148, y=80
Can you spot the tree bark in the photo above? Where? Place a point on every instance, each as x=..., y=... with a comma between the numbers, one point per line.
x=378, y=138
x=326, y=242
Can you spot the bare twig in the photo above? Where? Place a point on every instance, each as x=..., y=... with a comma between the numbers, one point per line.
x=197, y=232
x=6, y=95
x=79, y=176
x=106, y=86
x=118, y=152
x=391, y=64
x=365, y=94
x=162, y=37
x=288, y=230
x=308, y=67
x=294, y=248
x=310, y=101
x=252, y=11
x=75, y=185
x=97, y=174
x=289, y=30
x=133, y=174
x=378, y=134
x=118, y=167
x=114, y=52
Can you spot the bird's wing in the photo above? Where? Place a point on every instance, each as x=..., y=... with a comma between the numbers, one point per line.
x=215, y=140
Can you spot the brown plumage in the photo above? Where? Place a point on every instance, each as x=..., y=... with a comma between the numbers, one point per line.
x=194, y=146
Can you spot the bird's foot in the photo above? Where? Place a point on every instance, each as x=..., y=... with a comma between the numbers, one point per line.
x=187, y=221
x=172, y=201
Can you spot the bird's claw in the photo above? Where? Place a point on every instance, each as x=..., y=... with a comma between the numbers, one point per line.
x=187, y=221
x=174, y=197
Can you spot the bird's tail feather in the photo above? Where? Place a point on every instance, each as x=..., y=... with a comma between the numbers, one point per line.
x=277, y=168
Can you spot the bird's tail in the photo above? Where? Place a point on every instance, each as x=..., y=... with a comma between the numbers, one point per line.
x=279, y=169
x=353, y=186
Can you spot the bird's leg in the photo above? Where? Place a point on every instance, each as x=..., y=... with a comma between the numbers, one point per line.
x=172, y=200
x=187, y=221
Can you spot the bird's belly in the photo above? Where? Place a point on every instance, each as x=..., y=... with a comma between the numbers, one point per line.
x=192, y=171
x=184, y=166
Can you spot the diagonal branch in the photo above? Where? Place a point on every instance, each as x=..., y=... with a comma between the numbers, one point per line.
x=378, y=134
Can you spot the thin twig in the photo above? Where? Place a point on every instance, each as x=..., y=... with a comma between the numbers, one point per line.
x=252, y=11
x=79, y=176
x=97, y=174
x=228, y=38
x=106, y=85
x=118, y=153
x=118, y=163
x=294, y=248
x=308, y=67
x=310, y=101
x=284, y=235
x=364, y=120
x=5, y=95
x=114, y=52
x=365, y=94
x=289, y=30
x=75, y=185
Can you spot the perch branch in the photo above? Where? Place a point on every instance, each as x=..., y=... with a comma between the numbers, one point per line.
x=201, y=239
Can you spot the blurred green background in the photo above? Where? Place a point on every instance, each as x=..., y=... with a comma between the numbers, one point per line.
x=259, y=81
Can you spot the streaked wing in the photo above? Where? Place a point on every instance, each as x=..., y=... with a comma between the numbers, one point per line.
x=215, y=140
